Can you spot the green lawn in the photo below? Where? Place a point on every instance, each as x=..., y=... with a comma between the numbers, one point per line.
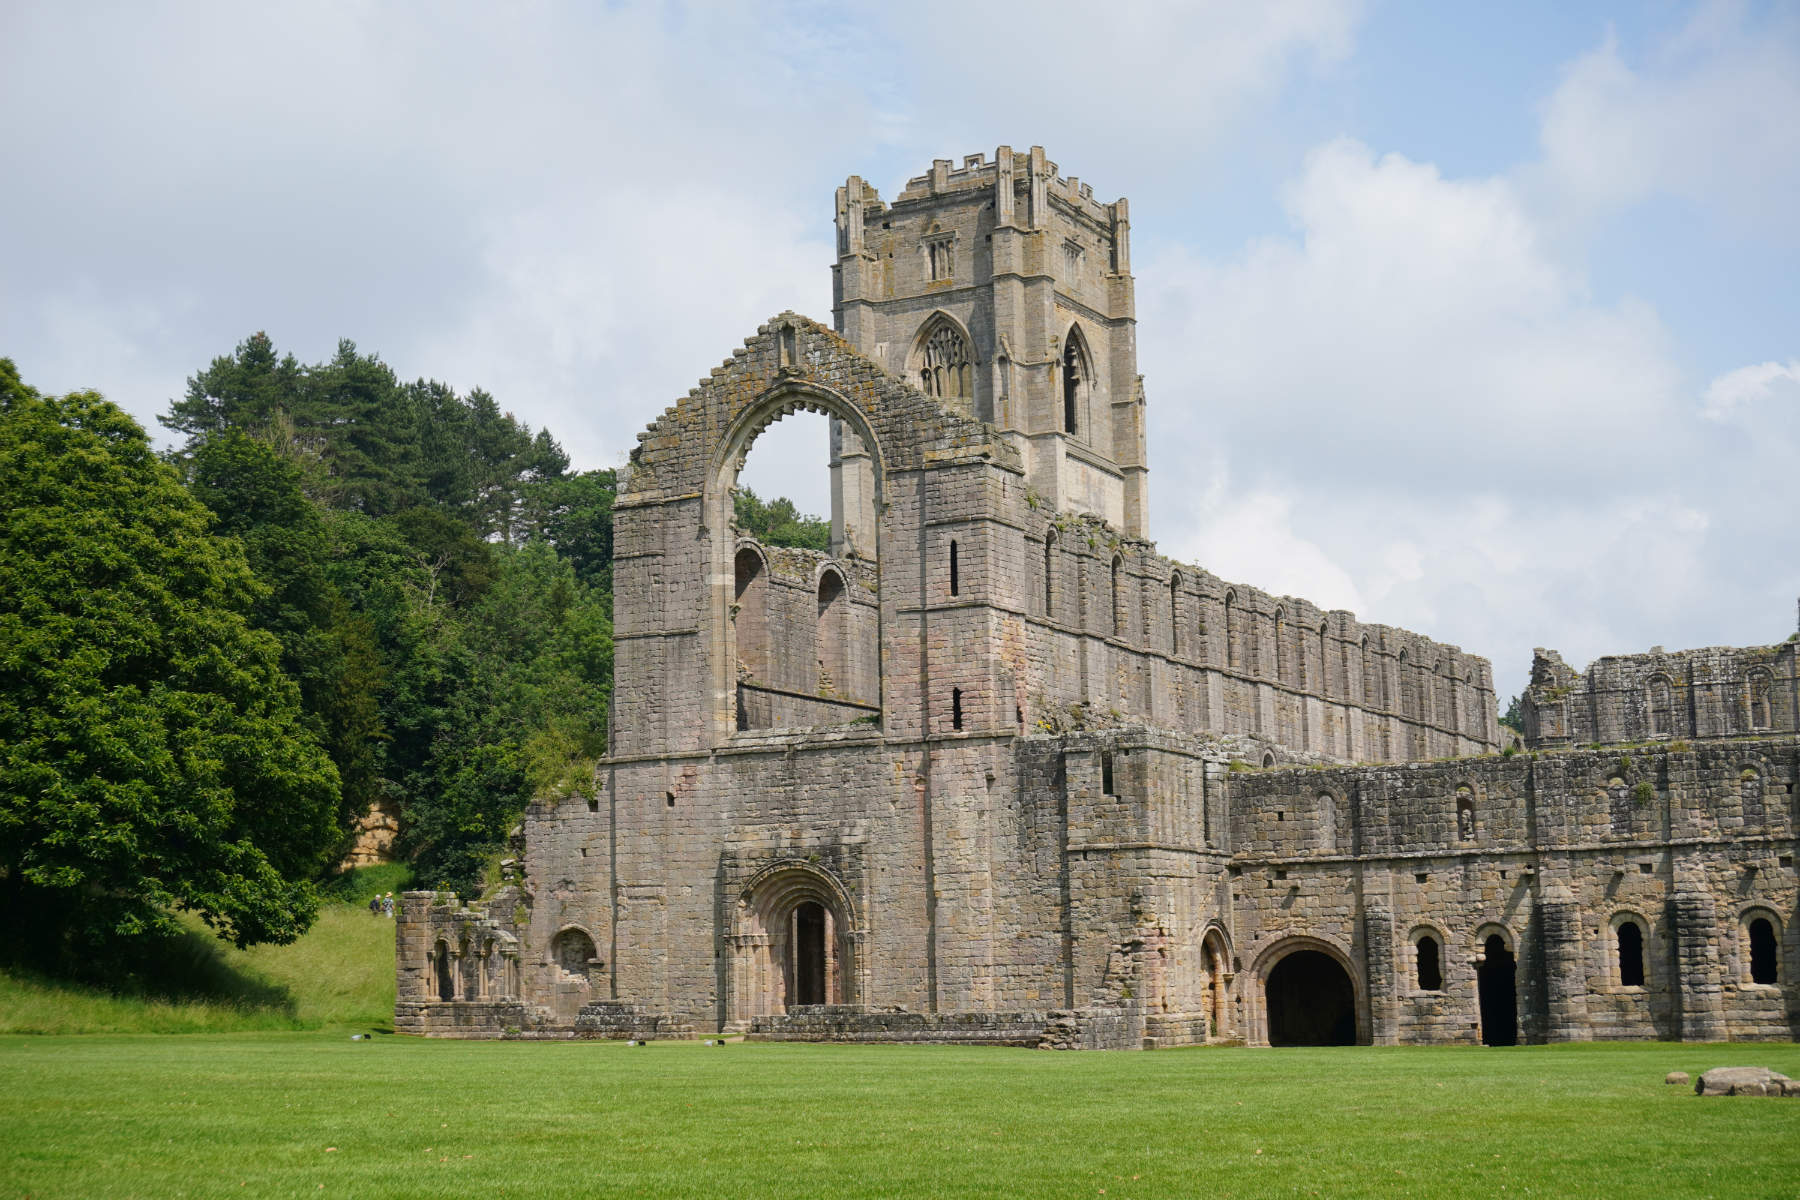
x=340, y=973
x=317, y=1114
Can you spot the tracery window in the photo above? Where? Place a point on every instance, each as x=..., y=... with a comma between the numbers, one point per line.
x=946, y=371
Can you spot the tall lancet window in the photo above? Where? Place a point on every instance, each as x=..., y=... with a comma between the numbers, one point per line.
x=1075, y=383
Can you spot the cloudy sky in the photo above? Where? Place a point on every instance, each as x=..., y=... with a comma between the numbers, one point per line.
x=1480, y=320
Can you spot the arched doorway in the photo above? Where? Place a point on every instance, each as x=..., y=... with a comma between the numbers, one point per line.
x=808, y=954
x=1311, y=1001
x=793, y=943
x=1497, y=982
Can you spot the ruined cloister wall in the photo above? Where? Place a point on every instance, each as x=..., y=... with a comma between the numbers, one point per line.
x=1688, y=694
x=1558, y=852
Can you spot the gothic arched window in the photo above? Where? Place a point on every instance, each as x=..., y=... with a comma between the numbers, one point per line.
x=1075, y=382
x=944, y=369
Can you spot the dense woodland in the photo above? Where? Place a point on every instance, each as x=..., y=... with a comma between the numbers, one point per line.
x=338, y=588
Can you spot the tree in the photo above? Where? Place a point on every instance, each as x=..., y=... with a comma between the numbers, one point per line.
x=152, y=754
x=1514, y=717
x=255, y=496
x=779, y=523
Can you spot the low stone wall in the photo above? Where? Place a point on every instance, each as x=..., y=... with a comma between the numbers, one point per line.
x=460, y=1018
x=859, y=1023
x=619, y=1020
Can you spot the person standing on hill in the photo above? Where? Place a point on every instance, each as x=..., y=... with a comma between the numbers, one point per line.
x=387, y=905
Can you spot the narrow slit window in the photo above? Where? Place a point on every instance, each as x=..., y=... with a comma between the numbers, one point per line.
x=1631, y=955
x=956, y=708
x=1106, y=772
x=1050, y=574
x=955, y=570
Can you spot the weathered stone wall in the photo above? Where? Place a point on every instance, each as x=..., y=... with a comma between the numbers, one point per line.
x=993, y=769
x=1559, y=850
x=1688, y=694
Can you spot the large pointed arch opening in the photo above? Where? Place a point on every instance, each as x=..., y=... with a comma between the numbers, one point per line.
x=795, y=639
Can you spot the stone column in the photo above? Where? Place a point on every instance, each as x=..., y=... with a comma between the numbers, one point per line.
x=1378, y=973
x=1693, y=918
x=1565, y=982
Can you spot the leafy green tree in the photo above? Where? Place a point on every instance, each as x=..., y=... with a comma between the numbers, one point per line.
x=254, y=390
x=574, y=514
x=516, y=694
x=152, y=754
x=778, y=523
x=329, y=650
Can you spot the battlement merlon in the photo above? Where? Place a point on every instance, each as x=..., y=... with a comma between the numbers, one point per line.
x=1010, y=176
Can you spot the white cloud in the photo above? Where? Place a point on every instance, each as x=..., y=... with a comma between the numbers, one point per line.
x=1731, y=394
x=1711, y=114
x=1427, y=414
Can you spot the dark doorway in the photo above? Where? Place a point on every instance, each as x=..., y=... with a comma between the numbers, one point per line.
x=809, y=954
x=1311, y=1002
x=1496, y=978
x=445, y=985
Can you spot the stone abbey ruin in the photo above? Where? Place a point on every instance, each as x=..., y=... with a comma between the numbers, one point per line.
x=993, y=770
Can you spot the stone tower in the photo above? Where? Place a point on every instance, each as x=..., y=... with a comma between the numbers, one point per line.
x=1005, y=291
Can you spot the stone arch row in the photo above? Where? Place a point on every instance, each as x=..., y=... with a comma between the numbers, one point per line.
x=835, y=653
x=490, y=973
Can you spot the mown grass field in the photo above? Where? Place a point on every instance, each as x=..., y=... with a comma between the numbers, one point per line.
x=311, y=1114
x=267, y=1095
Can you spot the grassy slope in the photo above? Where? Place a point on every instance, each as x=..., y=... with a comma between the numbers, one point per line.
x=291, y=1113
x=341, y=973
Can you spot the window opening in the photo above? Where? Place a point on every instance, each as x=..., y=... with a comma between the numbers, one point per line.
x=1631, y=954
x=956, y=708
x=946, y=371
x=1431, y=968
x=1106, y=773
x=1175, y=614
x=1074, y=382
x=1050, y=574
x=446, y=983
x=1763, y=963
x=954, y=581
x=1231, y=630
